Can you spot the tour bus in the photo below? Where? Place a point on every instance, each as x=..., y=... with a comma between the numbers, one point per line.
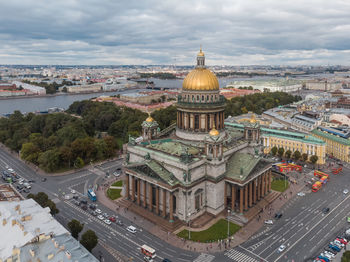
x=148, y=251
x=92, y=195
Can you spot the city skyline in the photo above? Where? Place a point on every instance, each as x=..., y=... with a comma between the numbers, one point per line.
x=158, y=32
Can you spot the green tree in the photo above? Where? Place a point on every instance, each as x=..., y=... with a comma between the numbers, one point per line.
x=89, y=240
x=296, y=155
x=313, y=159
x=304, y=157
x=30, y=152
x=288, y=154
x=280, y=151
x=274, y=150
x=79, y=163
x=75, y=227
x=43, y=200
x=346, y=256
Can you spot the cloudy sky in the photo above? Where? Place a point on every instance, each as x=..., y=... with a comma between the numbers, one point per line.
x=232, y=32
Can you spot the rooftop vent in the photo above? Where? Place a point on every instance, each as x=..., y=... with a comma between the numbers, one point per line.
x=4, y=221
x=26, y=218
x=68, y=254
x=56, y=244
x=50, y=256
x=31, y=252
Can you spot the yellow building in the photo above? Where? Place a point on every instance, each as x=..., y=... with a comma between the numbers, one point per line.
x=336, y=145
x=292, y=141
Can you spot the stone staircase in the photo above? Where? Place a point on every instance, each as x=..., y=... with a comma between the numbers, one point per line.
x=147, y=214
x=202, y=220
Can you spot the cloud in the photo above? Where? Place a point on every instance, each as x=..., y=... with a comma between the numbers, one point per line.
x=169, y=32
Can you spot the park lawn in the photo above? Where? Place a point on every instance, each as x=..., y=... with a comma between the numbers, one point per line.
x=114, y=193
x=279, y=185
x=213, y=233
x=118, y=183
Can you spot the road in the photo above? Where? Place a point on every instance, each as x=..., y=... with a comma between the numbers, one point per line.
x=113, y=236
x=304, y=229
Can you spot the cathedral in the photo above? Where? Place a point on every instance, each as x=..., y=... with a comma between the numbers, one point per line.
x=198, y=166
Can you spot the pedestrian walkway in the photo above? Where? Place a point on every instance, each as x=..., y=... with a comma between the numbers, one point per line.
x=203, y=257
x=238, y=256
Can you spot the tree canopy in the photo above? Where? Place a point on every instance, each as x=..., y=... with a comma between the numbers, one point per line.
x=43, y=200
x=75, y=227
x=89, y=240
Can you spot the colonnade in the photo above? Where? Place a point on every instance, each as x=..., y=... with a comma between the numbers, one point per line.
x=200, y=121
x=244, y=197
x=133, y=191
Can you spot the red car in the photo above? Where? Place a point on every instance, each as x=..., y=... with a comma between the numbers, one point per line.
x=341, y=240
x=112, y=219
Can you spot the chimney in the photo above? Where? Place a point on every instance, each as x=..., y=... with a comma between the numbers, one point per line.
x=31, y=252
x=25, y=233
x=50, y=256
x=14, y=222
x=17, y=207
x=62, y=248
x=26, y=218
x=68, y=255
x=56, y=244
x=4, y=221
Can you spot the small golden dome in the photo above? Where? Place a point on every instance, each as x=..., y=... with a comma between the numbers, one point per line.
x=200, y=79
x=214, y=132
x=252, y=119
x=149, y=118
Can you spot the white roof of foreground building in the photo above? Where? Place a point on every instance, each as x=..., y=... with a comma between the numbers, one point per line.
x=31, y=232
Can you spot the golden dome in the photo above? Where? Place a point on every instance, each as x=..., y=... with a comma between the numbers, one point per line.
x=214, y=132
x=149, y=119
x=252, y=119
x=200, y=52
x=200, y=79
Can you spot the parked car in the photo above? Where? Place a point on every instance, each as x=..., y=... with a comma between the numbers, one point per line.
x=147, y=259
x=345, y=191
x=98, y=211
x=107, y=221
x=83, y=201
x=105, y=215
x=92, y=206
x=112, y=219
x=116, y=174
x=120, y=223
x=100, y=217
x=131, y=229
x=76, y=203
x=84, y=207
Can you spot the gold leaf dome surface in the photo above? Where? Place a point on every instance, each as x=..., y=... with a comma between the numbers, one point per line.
x=200, y=79
x=149, y=119
x=214, y=132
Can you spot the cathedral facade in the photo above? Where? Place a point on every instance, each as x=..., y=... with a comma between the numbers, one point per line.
x=202, y=166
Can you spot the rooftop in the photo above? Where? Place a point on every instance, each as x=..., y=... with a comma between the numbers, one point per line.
x=173, y=147
x=240, y=165
x=9, y=193
x=332, y=137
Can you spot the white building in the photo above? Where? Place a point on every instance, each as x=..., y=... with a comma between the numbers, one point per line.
x=34, y=89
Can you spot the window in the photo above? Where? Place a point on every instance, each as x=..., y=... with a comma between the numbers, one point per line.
x=196, y=121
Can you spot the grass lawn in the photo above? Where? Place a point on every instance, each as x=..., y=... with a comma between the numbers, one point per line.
x=279, y=185
x=213, y=233
x=118, y=183
x=114, y=193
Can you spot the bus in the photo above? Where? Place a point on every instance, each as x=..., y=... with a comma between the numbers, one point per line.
x=148, y=251
x=92, y=195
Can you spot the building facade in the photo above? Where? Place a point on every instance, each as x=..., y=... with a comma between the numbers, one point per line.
x=337, y=143
x=203, y=167
x=288, y=140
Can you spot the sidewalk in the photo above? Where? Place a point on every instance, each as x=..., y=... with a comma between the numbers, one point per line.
x=241, y=236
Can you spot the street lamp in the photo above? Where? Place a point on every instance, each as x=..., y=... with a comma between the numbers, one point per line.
x=189, y=226
x=228, y=223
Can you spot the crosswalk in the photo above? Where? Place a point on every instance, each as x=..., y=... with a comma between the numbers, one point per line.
x=203, y=257
x=237, y=256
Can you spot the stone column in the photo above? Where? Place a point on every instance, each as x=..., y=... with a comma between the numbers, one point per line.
x=211, y=121
x=266, y=183
x=258, y=196
x=250, y=194
x=138, y=192
x=254, y=191
x=171, y=208
x=241, y=200
x=191, y=121
x=127, y=193
x=144, y=193
x=150, y=205
x=225, y=195
x=157, y=200
x=133, y=188
x=270, y=178
x=233, y=197
x=164, y=203
x=246, y=197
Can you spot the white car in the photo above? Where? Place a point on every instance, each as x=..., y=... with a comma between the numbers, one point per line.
x=67, y=197
x=100, y=217
x=116, y=174
x=107, y=221
x=345, y=191
x=329, y=254
x=98, y=211
x=73, y=191
x=301, y=194
x=131, y=229
x=281, y=248
x=268, y=222
x=27, y=185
